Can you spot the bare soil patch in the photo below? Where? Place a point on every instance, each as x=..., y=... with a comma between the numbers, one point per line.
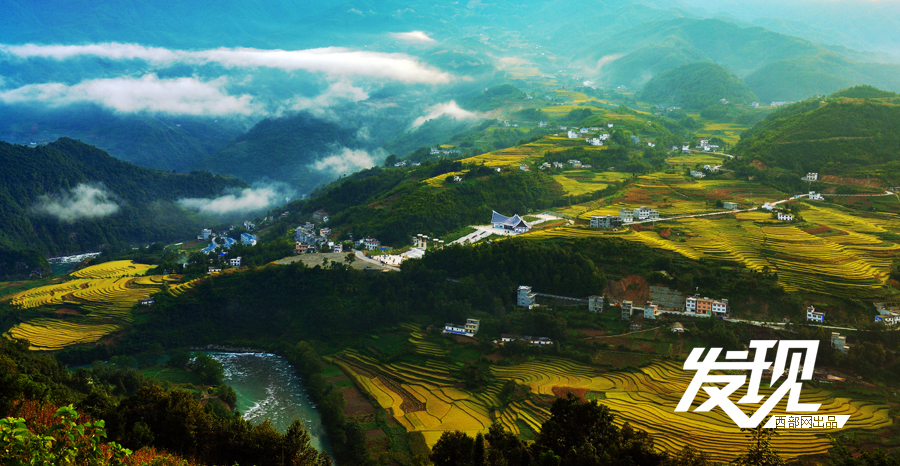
x=632, y=288
x=356, y=403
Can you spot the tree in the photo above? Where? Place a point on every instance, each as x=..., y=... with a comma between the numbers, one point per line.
x=350, y=259
x=759, y=451
x=390, y=160
x=453, y=449
x=208, y=369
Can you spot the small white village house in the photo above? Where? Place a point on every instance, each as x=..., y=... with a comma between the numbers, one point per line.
x=813, y=315
x=235, y=261
x=595, y=303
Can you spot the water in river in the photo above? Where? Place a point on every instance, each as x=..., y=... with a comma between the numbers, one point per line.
x=267, y=386
x=63, y=264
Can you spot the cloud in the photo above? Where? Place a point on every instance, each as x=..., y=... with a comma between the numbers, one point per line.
x=447, y=108
x=185, y=96
x=247, y=200
x=607, y=59
x=334, y=61
x=84, y=201
x=346, y=161
x=413, y=36
x=339, y=92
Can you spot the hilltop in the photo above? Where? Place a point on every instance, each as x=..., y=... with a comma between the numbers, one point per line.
x=695, y=86
x=855, y=132
x=68, y=196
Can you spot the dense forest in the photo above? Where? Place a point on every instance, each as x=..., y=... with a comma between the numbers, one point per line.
x=696, y=86
x=70, y=197
x=836, y=136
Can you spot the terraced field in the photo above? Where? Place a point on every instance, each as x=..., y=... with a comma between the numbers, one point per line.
x=102, y=298
x=422, y=397
x=854, y=263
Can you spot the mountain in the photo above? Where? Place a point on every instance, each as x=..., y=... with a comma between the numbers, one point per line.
x=287, y=150
x=775, y=66
x=155, y=141
x=67, y=197
x=695, y=86
x=855, y=132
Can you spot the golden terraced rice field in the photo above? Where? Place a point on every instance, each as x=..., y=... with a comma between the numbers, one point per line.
x=422, y=397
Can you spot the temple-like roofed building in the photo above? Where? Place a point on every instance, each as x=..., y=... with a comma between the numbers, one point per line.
x=514, y=223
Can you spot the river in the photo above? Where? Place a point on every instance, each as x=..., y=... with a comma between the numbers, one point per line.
x=63, y=264
x=267, y=386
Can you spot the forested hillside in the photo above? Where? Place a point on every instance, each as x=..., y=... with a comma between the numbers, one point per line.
x=284, y=149
x=394, y=206
x=69, y=197
x=836, y=136
x=695, y=86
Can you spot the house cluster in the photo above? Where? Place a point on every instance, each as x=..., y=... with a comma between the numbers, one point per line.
x=440, y=151
x=889, y=316
x=812, y=315
x=705, y=146
x=469, y=329
x=309, y=240
x=709, y=307
x=515, y=223
x=248, y=240
x=320, y=216
x=404, y=163
x=508, y=337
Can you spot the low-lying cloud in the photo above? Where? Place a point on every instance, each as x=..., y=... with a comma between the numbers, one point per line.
x=450, y=109
x=185, y=96
x=346, y=161
x=334, y=61
x=85, y=201
x=246, y=200
x=413, y=36
x=337, y=93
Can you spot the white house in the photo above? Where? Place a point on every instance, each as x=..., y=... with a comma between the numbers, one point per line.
x=697, y=174
x=147, y=301
x=627, y=215
x=609, y=125
x=523, y=167
x=214, y=269
x=646, y=213
x=371, y=243
x=457, y=179
x=573, y=135
x=594, y=141
x=811, y=176
x=595, y=303
x=583, y=130
x=813, y=315
x=337, y=247
x=524, y=297
x=767, y=206
x=686, y=149
x=235, y=261
x=704, y=305
x=814, y=196
x=785, y=217
x=730, y=205
x=542, y=124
